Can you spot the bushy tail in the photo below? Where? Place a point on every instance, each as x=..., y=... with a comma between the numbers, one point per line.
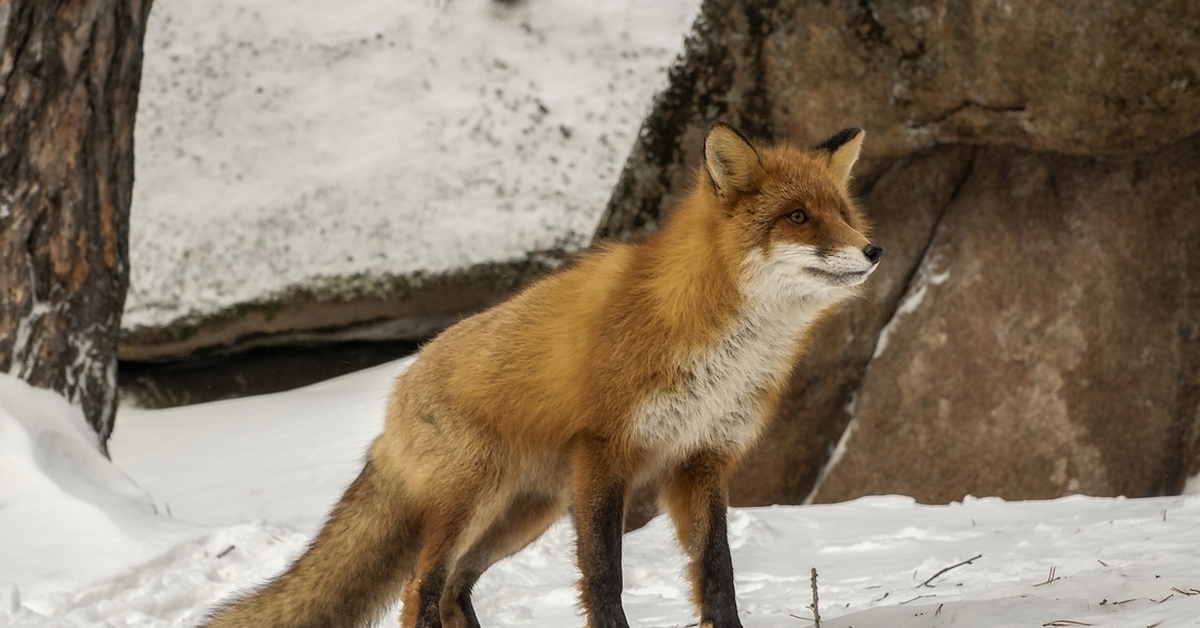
x=351, y=572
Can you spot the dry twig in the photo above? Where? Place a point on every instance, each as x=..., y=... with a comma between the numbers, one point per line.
x=1049, y=578
x=965, y=562
x=816, y=613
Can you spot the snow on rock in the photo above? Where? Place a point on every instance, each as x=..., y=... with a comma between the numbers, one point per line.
x=282, y=141
x=927, y=275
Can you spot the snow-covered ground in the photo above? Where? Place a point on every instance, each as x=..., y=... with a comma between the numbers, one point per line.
x=280, y=141
x=204, y=500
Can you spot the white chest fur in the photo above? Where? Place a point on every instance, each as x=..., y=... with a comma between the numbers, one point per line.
x=720, y=404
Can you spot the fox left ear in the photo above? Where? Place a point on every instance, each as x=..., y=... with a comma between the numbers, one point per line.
x=731, y=162
x=843, y=149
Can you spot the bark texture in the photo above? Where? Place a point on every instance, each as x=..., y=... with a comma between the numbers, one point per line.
x=69, y=77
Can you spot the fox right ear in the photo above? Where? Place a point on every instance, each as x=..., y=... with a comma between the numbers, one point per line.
x=843, y=149
x=731, y=162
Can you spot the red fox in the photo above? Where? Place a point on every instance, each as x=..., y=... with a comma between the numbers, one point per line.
x=658, y=361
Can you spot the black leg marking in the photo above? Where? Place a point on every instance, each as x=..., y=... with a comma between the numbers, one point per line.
x=464, y=602
x=601, y=567
x=429, y=599
x=719, y=602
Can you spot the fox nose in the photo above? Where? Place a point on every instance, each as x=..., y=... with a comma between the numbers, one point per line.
x=873, y=253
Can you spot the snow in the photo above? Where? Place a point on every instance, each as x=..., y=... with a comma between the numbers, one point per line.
x=202, y=501
x=279, y=142
x=67, y=515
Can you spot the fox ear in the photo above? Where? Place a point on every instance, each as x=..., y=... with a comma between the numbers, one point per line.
x=843, y=149
x=730, y=160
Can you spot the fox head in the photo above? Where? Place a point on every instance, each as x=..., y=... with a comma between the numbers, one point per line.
x=787, y=212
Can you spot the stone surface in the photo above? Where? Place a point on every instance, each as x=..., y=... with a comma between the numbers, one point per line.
x=167, y=384
x=1075, y=78
x=1068, y=77
x=1044, y=346
x=721, y=77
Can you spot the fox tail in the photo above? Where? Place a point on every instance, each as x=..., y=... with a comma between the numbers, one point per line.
x=351, y=572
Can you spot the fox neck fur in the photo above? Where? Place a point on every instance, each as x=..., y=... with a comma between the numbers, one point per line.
x=733, y=340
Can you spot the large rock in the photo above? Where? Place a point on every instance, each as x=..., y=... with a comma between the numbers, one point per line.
x=1042, y=348
x=1032, y=170
x=309, y=174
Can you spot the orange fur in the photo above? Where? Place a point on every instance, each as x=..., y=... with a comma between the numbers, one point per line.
x=657, y=360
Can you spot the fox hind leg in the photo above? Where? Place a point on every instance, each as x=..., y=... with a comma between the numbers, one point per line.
x=449, y=529
x=523, y=521
x=423, y=593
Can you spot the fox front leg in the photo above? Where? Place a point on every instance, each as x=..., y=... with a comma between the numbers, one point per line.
x=695, y=496
x=599, y=514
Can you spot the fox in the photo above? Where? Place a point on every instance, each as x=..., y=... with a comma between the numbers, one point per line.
x=653, y=361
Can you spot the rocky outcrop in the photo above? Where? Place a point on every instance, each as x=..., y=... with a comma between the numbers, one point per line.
x=364, y=307
x=1033, y=173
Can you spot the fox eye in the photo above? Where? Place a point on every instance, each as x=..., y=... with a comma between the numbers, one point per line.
x=798, y=216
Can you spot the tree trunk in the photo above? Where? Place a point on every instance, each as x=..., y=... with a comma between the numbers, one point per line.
x=69, y=79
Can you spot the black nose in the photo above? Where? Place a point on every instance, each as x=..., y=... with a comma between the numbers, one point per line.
x=873, y=253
